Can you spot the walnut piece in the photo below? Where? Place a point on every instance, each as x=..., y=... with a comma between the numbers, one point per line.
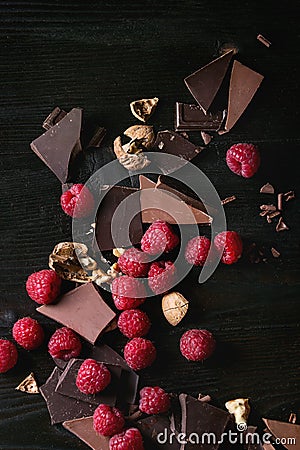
x=143, y=133
x=144, y=108
x=119, y=252
x=71, y=262
x=132, y=162
x=174, y=307
x=29, y=385
x=240, y=408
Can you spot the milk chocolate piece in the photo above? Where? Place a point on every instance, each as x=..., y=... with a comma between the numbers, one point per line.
x=285, y=431
x=205, y=82
x=84, y=430
x=67, y=385
x=201, y=417
x=126, y=215
x=60, y=407
x=60, y=144
x=244, y=83
x=155, y=204
x=267, y=189
x=81, y=309
x=54, y=117
x=192, y=118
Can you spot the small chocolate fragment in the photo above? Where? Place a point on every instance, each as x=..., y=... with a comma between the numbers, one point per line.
x=54, y=117
x=284, y=431
x=205, y=82
x=293, y=418
x=144, y=108
x=267, y=209
x=289, y=196
x=28, y=385
x=206, y=137
x=267, y=189
x=281, y=226
x=97, y=138
x=279, y=201
x=81, y=309
x=83, y=428
x=67, y=385
x=60, y=144
x=112, y=199
x=263, y=40
x=271, y=215
x=244, y=83
x=228, y=200
x=204, y=398
x=63, y=408
x=192, y=118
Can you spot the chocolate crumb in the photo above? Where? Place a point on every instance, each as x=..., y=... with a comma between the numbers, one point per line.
x=279, y=201
x=228, y=200
x=268, y=208
x=206, y=137
x=273, y=214
x=275, y=252
x=204, y=398
x=267, y=189
x=255, y=254
x=263, y=40
x=281, y=226
x=290, y=195
x=184, y=134
x=293, y=418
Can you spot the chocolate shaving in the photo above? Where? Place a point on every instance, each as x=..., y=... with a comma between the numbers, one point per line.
x=275, y=252
x=228, y=200
x=293, y=418
x=29, y=385
x=206, y=137
x=279, y=201
x=273, y=214
x=267, y=189
x=204, y=398
x=97, y=138
x=290, y=195
x=53, y=118
x=281, y=226
x=263, y=40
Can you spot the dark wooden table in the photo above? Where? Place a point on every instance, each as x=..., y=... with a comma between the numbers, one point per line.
x=100, y=56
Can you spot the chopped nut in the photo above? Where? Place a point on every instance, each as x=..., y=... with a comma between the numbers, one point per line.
x=143, y=133
x=161, y=145
x=136, y=161
x=101, y=277
x=239, y=408
x=119, y=252
x=29, y=385
x=144, y=108
x=71, y=261
x=174, y=307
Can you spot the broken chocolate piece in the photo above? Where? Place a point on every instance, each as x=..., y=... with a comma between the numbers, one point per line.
x=267, y=209
x=271, y=215
x=63, y=408
x=279, y=201
x=192, y=118
x=81, y=309
x=60, y=144
x=204, y=398
x=281, y=226
x=28, y=385
x=54, y=117
x=67, y=385
x=288, y=433
x=97, y=138
x=83, y=428
x=228, y=200
x=144, y=108
x=244, y=83
x=113, y=197
x=263, y=40
x=289, y=196
x=206, y=137
x=267, y=189
x=158, y=198
x=205, y=82
x=293, y=418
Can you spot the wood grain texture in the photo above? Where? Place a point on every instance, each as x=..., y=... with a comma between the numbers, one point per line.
x=100, y=56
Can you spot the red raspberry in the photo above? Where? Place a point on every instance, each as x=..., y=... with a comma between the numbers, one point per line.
x=197, y=345
x=161, y=276
x=243, y=159
x=28, y=333
x=197, y=250
x=127, y=292
x=134, y=323
x=134, y=263
x=107, y=420
x=130, y=439
x=92, y=377
x=154, y=400
x=77, y=201
x=139, y=353
x=8, y=355
x=64, y=344
x=159, y=238
x=231, y=244
x=44, y=286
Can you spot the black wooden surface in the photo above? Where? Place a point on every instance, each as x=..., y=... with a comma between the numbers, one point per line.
x=100, y=56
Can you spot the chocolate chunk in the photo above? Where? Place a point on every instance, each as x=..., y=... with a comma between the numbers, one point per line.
x=285, y=432
x=267, y=189
x=81, y=309
x=244, y=83
x=84, y=430
x=263, y=40
x=281, y=226
x=201, y=417
x=54, y=117
x=289, y=196
x=155, y=204
x=60, y=144
x=158, y=431
x=228, y=200
x=126, y=215
x=205, y=82
x=206, y=137
x=174, y=144
x=63, y=408
x=67, y=385
x=97, y=138
x=192, y=118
